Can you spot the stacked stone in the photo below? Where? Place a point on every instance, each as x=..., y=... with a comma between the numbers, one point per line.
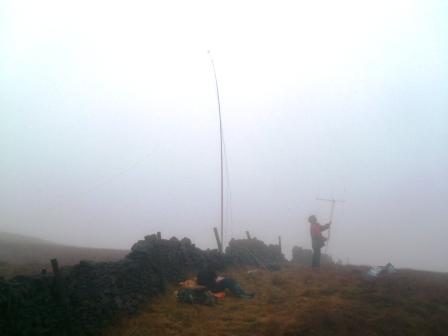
x=96, y=292
x=303, y=257
x=28, y=307
x=254, y=252
x=171, y=259
x=175, y=259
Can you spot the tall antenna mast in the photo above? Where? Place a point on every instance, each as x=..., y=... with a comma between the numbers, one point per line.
x=221, y=143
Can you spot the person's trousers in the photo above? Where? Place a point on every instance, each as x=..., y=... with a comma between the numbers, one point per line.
x=316, y=257
x=230, y=284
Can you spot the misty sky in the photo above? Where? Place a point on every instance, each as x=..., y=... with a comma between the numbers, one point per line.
x=109, y=128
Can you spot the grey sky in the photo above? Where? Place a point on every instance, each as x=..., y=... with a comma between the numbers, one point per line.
x=109, y=129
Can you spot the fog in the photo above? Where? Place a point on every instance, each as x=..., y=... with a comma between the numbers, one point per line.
x=109, y=123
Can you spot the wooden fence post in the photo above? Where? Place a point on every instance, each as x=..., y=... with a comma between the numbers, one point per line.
x=62, y=296
x=217, y=239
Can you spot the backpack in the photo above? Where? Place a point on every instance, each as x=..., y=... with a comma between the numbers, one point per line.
x=196, y=295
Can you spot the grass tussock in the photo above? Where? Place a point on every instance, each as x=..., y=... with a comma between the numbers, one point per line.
x=299, y=301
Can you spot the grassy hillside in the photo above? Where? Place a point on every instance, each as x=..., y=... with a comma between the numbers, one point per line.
x=23, y=255
x=298, y=301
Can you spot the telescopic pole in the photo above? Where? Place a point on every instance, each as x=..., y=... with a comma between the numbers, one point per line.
x=221, y=150
x=333, y=204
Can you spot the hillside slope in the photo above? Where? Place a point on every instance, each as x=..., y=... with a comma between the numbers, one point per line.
x=18, y=250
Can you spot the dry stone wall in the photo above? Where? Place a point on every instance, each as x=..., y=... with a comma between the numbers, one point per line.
x=303, y=257
x=254, y=252
x=94, y=293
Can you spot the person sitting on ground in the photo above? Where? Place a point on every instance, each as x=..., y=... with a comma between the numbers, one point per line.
x=207, y=277
x=317, y=239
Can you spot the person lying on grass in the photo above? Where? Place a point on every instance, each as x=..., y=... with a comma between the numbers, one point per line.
x=207, y=277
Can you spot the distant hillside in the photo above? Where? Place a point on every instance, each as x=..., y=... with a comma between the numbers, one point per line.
x=17, y=249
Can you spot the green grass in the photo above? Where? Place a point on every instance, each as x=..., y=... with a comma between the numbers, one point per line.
x=299, y=301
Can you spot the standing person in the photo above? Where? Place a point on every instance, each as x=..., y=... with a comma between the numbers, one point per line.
x=317, y=239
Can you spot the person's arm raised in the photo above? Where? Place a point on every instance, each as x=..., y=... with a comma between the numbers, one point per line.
x=326, y=226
